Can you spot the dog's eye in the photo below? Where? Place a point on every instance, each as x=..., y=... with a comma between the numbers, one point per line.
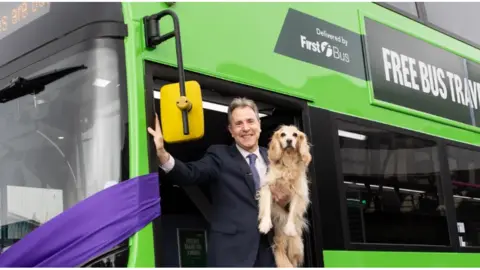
x=283, y=134
x=295, y=134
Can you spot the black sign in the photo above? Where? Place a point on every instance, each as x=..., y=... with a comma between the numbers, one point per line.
x=412, y=73
x=14, y=16
x=309, y=39
x=27, y=26
x=192, y=247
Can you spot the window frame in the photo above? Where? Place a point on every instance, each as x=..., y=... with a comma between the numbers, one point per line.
x=423, y=19
x=343, y=239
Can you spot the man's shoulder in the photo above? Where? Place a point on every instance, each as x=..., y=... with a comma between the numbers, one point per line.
x=219, y=148
x=226, y=148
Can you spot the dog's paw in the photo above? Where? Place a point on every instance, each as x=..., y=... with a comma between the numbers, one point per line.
x=289, y=229
x=265, y=225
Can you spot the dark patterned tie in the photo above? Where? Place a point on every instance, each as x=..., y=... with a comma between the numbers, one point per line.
x=256, y=176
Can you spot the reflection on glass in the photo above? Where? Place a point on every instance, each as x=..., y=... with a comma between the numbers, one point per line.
x=115, y=259
x=392, y=186
x=408, y=7
x=462, y=17
x=465, y=175
x=62, y=145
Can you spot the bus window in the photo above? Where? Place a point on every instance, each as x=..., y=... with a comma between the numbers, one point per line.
x=392, y=187
x=462, y=18
x=408, y=7
x=464, y=167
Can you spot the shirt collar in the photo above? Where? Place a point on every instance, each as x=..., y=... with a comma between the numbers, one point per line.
x=245, y=153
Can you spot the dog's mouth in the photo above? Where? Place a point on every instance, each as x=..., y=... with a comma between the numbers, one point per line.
x=289, y=147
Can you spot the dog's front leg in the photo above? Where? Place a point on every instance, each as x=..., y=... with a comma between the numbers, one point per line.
x=265, y=209
x=289, y=228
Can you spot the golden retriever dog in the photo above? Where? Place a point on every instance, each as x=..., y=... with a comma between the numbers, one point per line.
x=289, y=156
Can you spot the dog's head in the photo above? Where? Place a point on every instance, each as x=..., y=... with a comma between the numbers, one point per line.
x=289, y=140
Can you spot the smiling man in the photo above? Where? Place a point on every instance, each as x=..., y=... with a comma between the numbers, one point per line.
x=234, y=173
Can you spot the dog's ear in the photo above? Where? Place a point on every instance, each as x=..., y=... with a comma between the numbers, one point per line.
x=274, y=148
x=304, y=148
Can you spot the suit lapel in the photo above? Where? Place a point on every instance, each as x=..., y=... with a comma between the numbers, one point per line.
x=247, y=172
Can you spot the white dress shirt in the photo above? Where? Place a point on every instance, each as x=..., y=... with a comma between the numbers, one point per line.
x=260, y=164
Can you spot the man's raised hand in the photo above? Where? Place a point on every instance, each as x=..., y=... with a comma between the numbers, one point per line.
x=157, y=135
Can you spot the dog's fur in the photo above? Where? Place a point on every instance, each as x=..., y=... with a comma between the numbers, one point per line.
x=288, y=171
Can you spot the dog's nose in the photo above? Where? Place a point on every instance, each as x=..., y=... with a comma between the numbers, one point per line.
x=289, y=141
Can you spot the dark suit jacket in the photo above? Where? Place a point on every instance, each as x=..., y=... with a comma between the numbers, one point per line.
x=234, y=236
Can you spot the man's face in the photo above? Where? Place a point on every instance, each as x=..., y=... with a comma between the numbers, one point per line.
x=245, y=128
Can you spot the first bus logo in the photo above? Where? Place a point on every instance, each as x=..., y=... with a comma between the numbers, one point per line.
x=325, y=48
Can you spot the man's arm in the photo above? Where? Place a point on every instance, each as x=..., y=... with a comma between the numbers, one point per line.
x=168, y=166
x=179, y=173
x=191, y=173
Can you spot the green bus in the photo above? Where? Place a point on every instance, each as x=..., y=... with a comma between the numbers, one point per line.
x=388, y=94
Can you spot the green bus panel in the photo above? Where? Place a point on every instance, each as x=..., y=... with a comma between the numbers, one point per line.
x=237, y=41
x=246, y=43
x=337, y=258
x=142, y=251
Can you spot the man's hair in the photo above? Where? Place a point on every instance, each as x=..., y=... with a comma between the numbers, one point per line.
x=240, y=103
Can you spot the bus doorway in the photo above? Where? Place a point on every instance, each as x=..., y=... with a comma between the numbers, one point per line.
x=181, y=232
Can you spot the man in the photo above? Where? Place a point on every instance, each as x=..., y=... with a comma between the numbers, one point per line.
x=233, y=174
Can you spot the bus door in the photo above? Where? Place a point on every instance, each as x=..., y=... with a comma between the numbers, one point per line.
x=186, y=210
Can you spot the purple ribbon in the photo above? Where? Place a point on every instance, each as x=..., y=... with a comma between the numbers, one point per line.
x=89, y=228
